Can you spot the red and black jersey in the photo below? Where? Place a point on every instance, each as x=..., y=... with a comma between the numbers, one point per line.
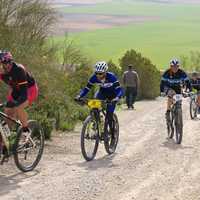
x=19, y=80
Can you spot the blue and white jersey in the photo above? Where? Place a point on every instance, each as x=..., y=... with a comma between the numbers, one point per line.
x=110, y=85
x=174, y=80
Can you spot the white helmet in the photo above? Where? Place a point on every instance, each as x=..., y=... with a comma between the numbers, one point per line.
x=174, y=61
x=101, y=67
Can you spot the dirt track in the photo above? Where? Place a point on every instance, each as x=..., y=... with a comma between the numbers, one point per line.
x=146, y=165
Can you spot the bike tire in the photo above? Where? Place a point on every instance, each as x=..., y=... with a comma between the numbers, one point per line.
x=193, y=113
x=110, y=143
x=85, y=154
x=178, y=122
x=36, y=133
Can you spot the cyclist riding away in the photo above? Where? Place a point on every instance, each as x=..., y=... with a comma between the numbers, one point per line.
x=171, y=83
x=195, y=83
x=110, y=88
x=23, y=89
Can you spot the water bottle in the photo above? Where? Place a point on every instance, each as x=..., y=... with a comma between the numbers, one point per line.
x=6, y=129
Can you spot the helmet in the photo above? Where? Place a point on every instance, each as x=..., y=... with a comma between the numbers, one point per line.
x=101, y=67
x=174, y=61
x=5, y=57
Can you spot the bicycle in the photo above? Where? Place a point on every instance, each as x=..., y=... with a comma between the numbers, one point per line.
x=193, y=106
x=175, y=121
x=96, y=129
x=20, y=146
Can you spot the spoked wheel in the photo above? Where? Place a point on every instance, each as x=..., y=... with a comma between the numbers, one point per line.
x=193, y=109
x=170, y=127
x=111, y=139
x=89, y=138
x=178, y=125
x=28, y=149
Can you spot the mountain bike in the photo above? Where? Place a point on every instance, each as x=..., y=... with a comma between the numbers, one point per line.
x=96, y=128
x=193, y=105
x=26, y=150
x=175, y=121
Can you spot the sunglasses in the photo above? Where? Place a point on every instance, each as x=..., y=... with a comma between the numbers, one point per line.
x=99, y=73
x=175, y=66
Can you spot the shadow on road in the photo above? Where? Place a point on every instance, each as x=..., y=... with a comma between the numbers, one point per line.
x=171, y=144
x=103, y=162
x=11, y=182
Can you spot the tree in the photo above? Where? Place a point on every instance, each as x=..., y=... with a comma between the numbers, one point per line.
x=148, y=73
x=25, y=25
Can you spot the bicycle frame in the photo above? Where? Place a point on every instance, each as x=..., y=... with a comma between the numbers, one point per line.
x=96, y=111
x=2, y=133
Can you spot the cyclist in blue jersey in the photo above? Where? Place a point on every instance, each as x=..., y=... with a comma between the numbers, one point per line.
x=172, y=81
x=109, y=88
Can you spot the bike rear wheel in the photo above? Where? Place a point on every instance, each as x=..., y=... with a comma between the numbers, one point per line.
x=28, y=150
x=111, y=140
x=178, y=122
x=89, y=138
x=193, y=109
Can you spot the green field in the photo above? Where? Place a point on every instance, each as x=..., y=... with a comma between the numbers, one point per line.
x=177, y=32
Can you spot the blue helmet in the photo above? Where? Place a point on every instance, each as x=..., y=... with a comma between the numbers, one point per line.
x=174, y=62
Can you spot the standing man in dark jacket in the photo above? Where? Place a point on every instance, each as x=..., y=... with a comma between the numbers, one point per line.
x=130, y=82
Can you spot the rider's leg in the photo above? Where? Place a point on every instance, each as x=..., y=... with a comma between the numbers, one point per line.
x=11, y=112
x=22, y=115
x=20, y=110
x=109, y=114
x=169, y=104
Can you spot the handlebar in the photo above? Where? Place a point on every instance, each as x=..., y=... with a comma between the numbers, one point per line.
x=83, y=101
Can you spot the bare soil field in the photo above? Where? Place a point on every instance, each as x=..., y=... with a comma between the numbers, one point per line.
x=62, y=3
x=84, y=22
x=146, y=165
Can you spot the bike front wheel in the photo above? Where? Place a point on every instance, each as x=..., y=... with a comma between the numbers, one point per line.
x=89, y=138
x=178, y=122
x=28, y=149
x=111, y=137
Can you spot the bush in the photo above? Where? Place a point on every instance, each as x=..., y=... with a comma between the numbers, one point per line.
x=114, y=68
x=148, y=74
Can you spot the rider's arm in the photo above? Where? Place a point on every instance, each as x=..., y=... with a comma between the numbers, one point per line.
x=164, y=81
x=89, y=85
x=117, y=87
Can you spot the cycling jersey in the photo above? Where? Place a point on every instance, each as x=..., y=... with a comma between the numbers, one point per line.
x=195, y=84
x=109, y=87
x=20, y=81
x=174, y=80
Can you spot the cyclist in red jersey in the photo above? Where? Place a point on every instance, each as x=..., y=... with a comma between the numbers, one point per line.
x=23, y=89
